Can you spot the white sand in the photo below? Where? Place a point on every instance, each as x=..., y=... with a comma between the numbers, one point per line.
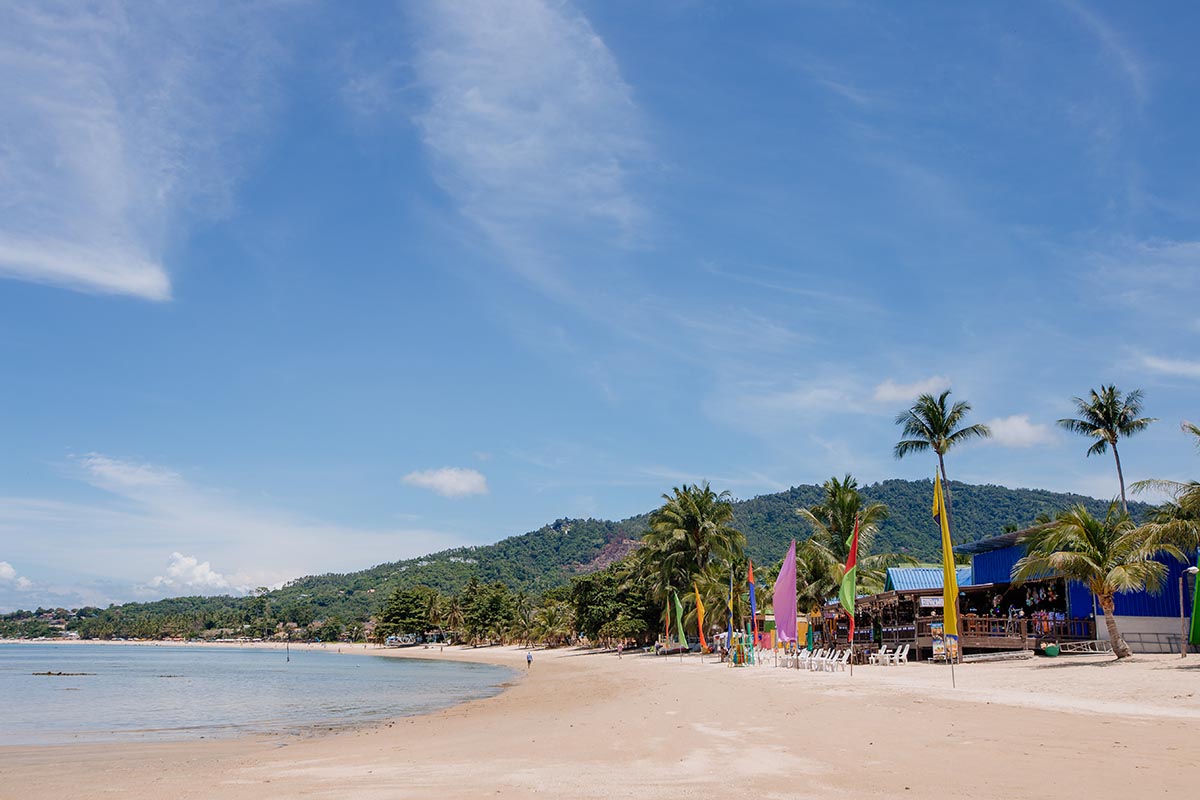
x=590, y=725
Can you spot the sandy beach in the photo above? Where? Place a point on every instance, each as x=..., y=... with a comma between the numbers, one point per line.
x=587, y=724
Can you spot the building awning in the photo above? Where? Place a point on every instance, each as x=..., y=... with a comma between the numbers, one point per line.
x=908, y=579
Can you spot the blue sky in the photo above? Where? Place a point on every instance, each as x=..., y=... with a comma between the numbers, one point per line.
x=299, y=287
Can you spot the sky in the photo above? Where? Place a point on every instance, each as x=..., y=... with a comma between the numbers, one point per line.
x=299, y=287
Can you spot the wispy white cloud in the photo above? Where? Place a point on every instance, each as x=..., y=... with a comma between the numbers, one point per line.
x=891, y=392
x=1018, y=431
x=1178, y=367
x=1126, y=59
x=117, y=122
x=150, y=510
x=449, y=481
x=750, y=480
x=530, y=126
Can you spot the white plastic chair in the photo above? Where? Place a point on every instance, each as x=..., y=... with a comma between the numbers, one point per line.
x=900, y=656
x=822, y=665
x=881, y=657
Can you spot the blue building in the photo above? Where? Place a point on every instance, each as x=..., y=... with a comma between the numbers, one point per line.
x=1149, y=623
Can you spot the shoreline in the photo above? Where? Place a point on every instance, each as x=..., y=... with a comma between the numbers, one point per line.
x=589, y=724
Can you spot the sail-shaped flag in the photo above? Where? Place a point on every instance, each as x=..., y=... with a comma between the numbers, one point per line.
x=753, y=602
x=700, y=618
x=785, y=598
x=729, y=608
x=679, y=620
x=849, y=588
x=949, y=570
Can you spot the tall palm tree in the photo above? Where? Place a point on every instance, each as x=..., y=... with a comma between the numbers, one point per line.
x=832, y=521
x=692, y=529
x=1106, y=416
x=1108, y=556
x=930, y=424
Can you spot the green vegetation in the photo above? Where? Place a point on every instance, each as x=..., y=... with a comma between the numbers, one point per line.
x=1108, y=555
x=832, y=520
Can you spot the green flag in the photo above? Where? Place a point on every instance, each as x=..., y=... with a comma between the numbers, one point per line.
x=679, y=619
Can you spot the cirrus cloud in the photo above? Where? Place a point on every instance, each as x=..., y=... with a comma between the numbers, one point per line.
x=449, y=481
x=891, y=392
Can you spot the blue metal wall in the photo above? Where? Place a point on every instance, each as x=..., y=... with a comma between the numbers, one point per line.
x=996, y=567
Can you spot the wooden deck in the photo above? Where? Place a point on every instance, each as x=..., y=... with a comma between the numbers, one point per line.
x=980, y=633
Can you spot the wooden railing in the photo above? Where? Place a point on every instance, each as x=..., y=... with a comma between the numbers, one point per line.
x=981, y=632
x=984, y=630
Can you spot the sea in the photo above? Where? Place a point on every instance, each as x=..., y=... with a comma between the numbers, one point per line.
x=161, y=692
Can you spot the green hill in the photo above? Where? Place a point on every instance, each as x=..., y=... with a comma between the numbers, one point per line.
x=550, y=556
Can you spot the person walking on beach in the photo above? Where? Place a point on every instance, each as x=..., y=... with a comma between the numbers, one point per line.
x=528, y=660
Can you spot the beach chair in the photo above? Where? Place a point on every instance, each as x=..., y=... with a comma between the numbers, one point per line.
x=840, y=662
x=826, y=663
x=802, y=658
x=900, y=656
x=879, y=658
x=807, y=657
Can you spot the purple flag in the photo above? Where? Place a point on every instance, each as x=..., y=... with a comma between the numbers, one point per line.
x=785, y=598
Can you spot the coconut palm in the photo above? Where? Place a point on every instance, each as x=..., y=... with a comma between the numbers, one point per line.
x=553, y=623
x=1106, y=416
x=1178, y=519
x=693, y=528
x=929, y=424
x=832, y=521
x=1108, y=556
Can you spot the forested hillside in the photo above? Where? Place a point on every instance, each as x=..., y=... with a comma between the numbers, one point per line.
x=770, y=521
x=549, y=557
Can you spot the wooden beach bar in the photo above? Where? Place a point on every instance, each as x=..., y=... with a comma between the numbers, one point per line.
x=992, y=616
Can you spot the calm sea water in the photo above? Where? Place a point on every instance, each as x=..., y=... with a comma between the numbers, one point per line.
x=168, y=692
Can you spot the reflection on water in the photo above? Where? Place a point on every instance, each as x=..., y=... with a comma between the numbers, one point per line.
x=109, y=693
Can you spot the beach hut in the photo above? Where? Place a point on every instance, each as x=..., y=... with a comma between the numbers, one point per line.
x=1055, y=608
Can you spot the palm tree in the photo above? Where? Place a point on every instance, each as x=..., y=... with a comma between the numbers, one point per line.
x=930, y=425
x=1108, y=556
x=690, y=534
x=1105, y=416
x=693, y=528
x=1178, y=519
x=553, y=623
x=832, y=521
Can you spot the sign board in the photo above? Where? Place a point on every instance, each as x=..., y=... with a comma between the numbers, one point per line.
x=937, y=630
x=932, y=602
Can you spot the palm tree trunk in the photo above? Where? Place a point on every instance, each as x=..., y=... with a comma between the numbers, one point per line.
x=945, y=490
x=1120, y=478
x=1120, y=649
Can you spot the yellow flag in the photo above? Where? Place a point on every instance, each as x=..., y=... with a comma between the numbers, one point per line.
x=949, y=570
x=700, y=617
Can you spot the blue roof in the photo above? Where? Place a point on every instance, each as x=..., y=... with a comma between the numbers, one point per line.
x=908, y=579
